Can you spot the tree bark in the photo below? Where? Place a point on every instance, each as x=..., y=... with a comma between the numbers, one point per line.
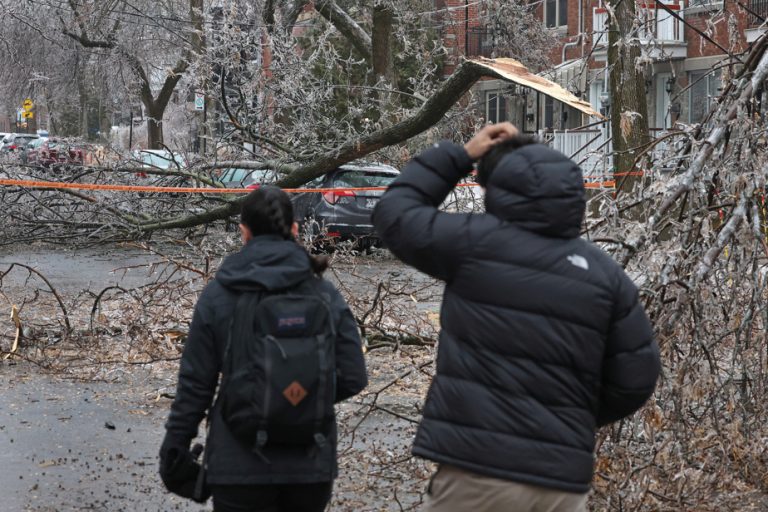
x=383, y=20
x=155, y=131
x=629, y=110
x=346, y=25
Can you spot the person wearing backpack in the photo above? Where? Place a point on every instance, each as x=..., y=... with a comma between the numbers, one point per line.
x=281, y=346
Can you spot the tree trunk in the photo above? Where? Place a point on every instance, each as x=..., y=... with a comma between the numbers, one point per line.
x=381, y=56
x=155, y=129
x=383, y=18
x=629, y=110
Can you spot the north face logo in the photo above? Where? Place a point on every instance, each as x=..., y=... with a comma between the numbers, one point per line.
x=295, y=393
x=578, y=261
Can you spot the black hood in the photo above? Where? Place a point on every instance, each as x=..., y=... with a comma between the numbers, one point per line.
x=267, y=261
x=538, y=189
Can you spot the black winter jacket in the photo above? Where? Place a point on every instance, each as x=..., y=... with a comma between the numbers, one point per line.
x=542, y=337
x=272, y=263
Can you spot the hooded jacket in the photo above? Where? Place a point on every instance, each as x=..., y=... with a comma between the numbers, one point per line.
x=542, y=336
x=271, y=263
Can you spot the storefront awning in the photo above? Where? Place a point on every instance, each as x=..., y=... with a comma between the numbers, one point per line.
x=513, y=71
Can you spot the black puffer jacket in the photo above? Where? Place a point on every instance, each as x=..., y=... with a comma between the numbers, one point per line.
x=542, y=339
x=275, y=264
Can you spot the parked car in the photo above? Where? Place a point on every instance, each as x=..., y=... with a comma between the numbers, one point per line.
x=236, y=177
x=15, y=141
x=344, y=213
x=31, y=151
x=158, y=159
x=55, y=152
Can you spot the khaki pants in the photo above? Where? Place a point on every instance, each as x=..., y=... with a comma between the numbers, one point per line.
x=456, y=490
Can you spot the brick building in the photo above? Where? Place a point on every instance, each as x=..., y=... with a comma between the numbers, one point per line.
x=684, y=75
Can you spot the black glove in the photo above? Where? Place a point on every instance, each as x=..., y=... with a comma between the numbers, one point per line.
x=179, y=469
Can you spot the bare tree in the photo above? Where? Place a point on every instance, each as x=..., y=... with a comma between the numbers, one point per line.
x=105, y=26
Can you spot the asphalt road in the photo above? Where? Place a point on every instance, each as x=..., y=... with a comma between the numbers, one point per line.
x=74, y=446
x=59, y=452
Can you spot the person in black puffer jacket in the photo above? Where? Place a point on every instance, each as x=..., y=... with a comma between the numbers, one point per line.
x=283, y=478
x=543, y=338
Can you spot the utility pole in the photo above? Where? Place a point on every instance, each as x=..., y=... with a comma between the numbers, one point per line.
x=130, y=130
x=197, y=15
x=466, y=28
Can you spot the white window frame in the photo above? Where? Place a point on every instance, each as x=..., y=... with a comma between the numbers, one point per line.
x=557, y=25
x=499, y=99
x=707, y=77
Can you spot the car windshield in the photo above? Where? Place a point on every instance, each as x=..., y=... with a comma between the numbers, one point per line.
x=161, y=160
x=363, y=179
x=247, y=176
x=231, y=175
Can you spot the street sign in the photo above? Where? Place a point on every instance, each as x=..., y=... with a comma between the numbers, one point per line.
x=28, y=105
x=28, y=115
x=199, y=101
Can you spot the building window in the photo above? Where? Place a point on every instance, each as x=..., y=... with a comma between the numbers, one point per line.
x=480, y=42
x=549, y=113
x=556, y=13
x=705, y=88
x=759, y=11
x=495, y=107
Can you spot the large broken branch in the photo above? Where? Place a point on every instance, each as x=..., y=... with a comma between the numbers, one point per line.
x=344, y=23
x=427, y=116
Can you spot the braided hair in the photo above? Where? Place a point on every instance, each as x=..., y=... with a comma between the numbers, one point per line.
x=268, y=211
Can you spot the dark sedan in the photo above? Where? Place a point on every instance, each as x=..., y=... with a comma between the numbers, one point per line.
x=345, y=212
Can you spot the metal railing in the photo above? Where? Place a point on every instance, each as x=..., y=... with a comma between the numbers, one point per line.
x=479, y=42
x=594, y=152
x=586, y=147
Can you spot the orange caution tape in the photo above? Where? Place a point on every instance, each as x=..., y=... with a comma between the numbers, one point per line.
x=145, y=188
x=601, y=184
x=211, y=190
x=630, y=173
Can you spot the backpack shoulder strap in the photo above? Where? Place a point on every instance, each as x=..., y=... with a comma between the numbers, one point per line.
x=246, y=301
